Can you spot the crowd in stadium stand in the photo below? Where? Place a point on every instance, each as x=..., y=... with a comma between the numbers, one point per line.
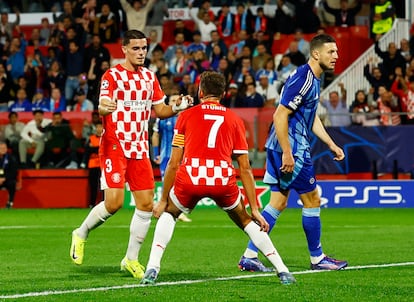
x=58, y=66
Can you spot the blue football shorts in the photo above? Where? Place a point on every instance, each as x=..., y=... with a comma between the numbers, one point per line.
x=302, y=180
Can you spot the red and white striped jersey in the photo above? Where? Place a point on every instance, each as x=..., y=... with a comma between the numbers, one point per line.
x=210, y=134
x=135, y=93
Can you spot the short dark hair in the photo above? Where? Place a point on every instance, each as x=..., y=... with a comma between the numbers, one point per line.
x=319, y=40
x=212, y=84
x=12, y=113
x=132, y=34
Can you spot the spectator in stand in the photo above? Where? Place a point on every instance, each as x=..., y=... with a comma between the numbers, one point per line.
x=6, y=27
x=8, y=173
x=375, y=78
x=89, y=128
x=269, y=69
x=225, y=21
x=260, y=21
x=405, y=50
x=260, y=59
x=137, y=13
x=39, y=102
x=225, y=70
x=90, y=160
x=162, y=68
x=179, y=65
x=58, y=139
x=243, y=19
x=35, y=38
x=403, y=88
x=179, y=43
x=82, y=103
x=12, y=132
x=252, y=99
x=155, y=19
x=205, y=7
x=198, y=64
x=94, y=78
x=284, y=21
x=285, y=68
x=21, y=104
x=215, y=57
x=55, y=77
x=344, y=15
x=261, y=37
x=16, y=59
x=185, y=84
x=74, y=55
x=85, y=13
x=303, y=45
x=45, y=31
x=53, y=54
x=216, y=40
x=67, y=12
x=232, y=97
x=106, y=25
x=306, y=17
x=296, y=56
x=154, y=45
x=364, y=113
x=83, y=82
x=56, y=101
x=5, y=95
x=338, y=113
x=389, y=109
x=96, y=50
x=32, y=137
x=204, y=24
x=244, y=70
x=197, y=44
x=33, y=73
x=268, y=91
x=180, y=28
x=382, y=16
x=391, y=58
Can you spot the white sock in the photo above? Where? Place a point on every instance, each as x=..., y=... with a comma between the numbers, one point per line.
x=138, y=230
x=248, y=253
x=316, y=260
x=162, y=236
x=95, y=218
x=265, y=245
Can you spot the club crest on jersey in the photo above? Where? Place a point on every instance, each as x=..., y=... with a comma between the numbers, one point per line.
x=116, y=178
x=312, y=181
x=105, y=84
x=149, y=86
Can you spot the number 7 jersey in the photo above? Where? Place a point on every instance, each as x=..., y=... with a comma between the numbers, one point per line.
x=210, y=134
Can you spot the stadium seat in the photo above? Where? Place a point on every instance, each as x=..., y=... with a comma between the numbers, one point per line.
x=360, y=31
x=281, y=43
x=115, y=50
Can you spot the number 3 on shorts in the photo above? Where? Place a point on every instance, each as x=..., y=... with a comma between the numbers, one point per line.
x=108, y=165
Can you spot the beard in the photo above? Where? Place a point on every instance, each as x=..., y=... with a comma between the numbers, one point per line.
x=325, y=67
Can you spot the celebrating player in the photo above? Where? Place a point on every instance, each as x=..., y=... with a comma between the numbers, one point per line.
x=289, y=164
x=206, y=137
x=128, y=91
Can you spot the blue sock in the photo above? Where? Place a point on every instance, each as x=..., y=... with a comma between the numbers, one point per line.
x=270, y=214
x=311, y=223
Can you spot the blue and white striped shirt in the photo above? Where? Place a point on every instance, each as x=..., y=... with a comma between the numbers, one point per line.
x=301, y=95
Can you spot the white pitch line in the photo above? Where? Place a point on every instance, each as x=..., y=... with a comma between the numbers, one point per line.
x=183, y=282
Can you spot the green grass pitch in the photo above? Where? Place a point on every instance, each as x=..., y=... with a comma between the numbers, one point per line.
x=200, y=264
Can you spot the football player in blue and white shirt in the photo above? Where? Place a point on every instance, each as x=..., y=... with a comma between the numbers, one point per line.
x=289, y=163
